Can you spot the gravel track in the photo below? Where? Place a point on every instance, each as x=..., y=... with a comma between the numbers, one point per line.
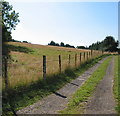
x=102, y=101
x=59, y=100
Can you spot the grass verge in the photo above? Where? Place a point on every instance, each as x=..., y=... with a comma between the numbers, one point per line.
x=76, y=104
x=23, y=96
x=116, y=88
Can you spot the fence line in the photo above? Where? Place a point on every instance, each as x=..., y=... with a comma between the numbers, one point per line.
x=86, y=57
x=75, y=59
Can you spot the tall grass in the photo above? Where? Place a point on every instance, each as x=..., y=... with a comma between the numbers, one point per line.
x=27, y=61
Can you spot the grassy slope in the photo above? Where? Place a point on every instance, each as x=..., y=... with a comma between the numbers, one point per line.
x=116, y=88
x=27, y=59
x=76, y=104
x=24, y=95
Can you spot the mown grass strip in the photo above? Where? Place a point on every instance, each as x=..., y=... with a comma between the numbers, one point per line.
x=116, y=88
x=86, y=90
x=23, y=96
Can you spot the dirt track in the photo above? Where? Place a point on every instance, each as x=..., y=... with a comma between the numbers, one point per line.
x=58, y=100
x=102, y=101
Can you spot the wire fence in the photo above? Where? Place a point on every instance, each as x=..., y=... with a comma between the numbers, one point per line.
x=18, y=73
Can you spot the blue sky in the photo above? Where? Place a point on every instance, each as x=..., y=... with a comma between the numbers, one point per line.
x=74, y=23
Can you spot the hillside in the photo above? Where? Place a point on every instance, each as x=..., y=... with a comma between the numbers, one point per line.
x=27, y=61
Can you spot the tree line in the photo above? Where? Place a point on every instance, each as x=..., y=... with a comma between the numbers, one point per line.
x=13, y=40
x=108, y=44
x=52, y=43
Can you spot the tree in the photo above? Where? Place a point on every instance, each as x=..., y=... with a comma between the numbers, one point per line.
x=56, y=44
x=81, y=47
x=9, y=22
x=25, y=42
x=52, y=43
x=62, y=44
x=110, y=44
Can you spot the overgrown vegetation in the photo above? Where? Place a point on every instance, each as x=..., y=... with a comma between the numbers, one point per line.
x=116, y=88
x=23, y=96
x=81, y=95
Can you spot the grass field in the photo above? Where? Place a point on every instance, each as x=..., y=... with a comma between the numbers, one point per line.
x=26, y=84
x=76, y=104
x=27, y=61
x=116, y=88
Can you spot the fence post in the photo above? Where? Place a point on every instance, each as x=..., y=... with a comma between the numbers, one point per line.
x=69, y=59
x=75, y=59
x=91, y=52
x=59, y=63
x=44, y=67
x=80, y=58
x=87, y=56
x=6, y=77
x=84, y=56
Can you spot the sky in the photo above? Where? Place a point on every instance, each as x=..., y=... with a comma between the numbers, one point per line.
x=74, y=23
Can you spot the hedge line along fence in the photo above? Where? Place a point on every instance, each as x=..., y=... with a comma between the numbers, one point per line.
x=19, y=74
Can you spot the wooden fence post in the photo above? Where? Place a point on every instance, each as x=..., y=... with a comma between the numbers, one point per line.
x=6, y=77
x=91, y=52
x=87, y=56
x=84, y=56
x=75, y=59
x=44, y=67
x=80, y=58
x=59, y=63
x=69, y=59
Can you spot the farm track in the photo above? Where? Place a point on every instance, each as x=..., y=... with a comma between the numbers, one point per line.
x=102, y=101
x=58, y=100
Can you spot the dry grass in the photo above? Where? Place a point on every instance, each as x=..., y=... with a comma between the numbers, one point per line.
x=28, y=67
